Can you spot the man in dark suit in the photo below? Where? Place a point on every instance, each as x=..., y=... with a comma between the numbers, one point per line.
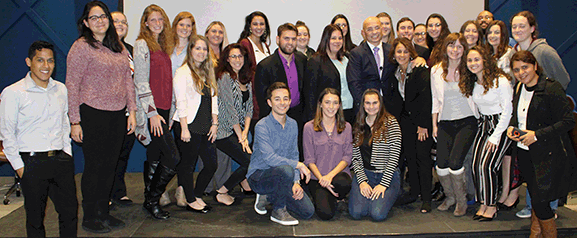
x=406, y=28
x=368, y=64
x=284, y=65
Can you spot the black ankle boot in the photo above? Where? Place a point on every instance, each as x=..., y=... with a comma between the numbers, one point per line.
x=161, y=178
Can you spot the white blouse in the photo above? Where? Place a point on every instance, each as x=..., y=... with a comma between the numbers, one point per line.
x=259, y=55
x=522, y=109
x=496, y=100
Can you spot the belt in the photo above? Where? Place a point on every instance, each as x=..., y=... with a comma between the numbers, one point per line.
x=50, y=153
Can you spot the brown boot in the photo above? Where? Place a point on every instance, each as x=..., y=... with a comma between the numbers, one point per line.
x=450, y=195
x=548, y=228
x=460, y=190
x=535, y=226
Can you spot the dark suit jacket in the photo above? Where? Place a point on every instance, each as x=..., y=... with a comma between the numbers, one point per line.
x=552, y=156
x=321, y=73
x=271, y=70
x=418, y=99
x=362, y=72
x=422, y=52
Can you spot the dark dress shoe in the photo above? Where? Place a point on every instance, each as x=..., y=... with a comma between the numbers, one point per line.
x=247, y=193
x=156, y=211
x=95, y=226
x=482, y=219
x=122, y=202
x=204, y=210
x=426, y=207
x=507, y=208
x=113, y=222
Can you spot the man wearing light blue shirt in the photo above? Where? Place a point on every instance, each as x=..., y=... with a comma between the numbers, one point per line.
x=275, y=172
x=35, y=131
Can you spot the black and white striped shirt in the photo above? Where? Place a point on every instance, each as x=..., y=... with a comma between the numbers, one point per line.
x=384, y=156
x=232, y=109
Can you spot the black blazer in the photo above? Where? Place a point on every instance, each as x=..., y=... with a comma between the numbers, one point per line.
x=552, y=155
x=422, y=52
x=362, y=71
x=418, y=98
x=321, y=73
x=271, y=70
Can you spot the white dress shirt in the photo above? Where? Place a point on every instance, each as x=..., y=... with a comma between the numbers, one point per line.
x=34, y=119
x=259, y=55
x=187, y=97
x=522, y=109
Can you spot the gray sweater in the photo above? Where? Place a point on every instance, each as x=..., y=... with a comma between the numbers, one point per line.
x=550, y=61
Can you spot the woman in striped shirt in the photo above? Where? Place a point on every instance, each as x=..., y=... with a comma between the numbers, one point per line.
x=376, y=151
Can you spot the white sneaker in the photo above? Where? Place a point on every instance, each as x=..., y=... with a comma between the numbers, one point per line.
x=281, y=216
x=259, y=204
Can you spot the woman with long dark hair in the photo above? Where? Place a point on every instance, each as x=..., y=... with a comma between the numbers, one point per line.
x=454, y=122
x=542, y=118
x=234, y=114
x=327, y=69
x=341, y=21
x=410, y=103
x=491, y=91
x=376, y=151
x=100, y=90
x=328, y=148
x=255, y=37
x=437, y=30
x=196, y=121
x=153, y=79
x=473, y=33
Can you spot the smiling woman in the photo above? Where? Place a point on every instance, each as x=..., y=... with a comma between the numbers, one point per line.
x=153, y=79
x=97, y=107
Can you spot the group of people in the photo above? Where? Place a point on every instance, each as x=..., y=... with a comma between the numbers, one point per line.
x=341, y=121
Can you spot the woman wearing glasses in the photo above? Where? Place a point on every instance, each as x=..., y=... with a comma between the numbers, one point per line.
x=100, y=91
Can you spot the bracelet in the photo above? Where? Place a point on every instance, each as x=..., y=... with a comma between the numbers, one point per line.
x=215, y=124
x=75, y=123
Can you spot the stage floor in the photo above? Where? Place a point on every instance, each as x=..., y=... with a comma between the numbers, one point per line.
x=243, y=221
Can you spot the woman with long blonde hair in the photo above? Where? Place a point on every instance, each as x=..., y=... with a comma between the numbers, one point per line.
x=196, y=117
x=153, y=80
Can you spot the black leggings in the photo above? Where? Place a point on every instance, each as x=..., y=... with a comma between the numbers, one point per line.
x=189, y=152
x=325, y=202
x=163, y=148
x=541, y=208
x=454, y=141
x=232, y=148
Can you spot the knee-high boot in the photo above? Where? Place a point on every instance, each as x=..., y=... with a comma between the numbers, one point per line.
x=535, y=226
x=148, y=173
x=548, y=228
x=460, y=190
x=450, y=195
x=161, y=178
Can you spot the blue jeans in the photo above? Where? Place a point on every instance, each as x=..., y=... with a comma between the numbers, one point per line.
x=378, y=209
x=277, y=183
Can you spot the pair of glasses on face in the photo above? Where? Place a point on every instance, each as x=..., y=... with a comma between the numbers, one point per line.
x=96, y=18
x=436, y=24
x=236, y=56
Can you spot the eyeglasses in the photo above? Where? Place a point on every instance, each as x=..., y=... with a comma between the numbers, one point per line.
x=121, y=22
x=236, y=56
x=436, y=24
x=95, y=17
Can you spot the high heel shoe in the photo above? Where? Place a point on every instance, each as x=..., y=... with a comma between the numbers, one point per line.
x=477, y=217
x=216, y=199
x=504, y=207
x=204, y=210
x=247, y=193
x=482, y=219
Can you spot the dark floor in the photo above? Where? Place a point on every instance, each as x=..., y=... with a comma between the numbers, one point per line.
x=242, y=220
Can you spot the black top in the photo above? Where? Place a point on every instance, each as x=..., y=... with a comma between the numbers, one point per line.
x=245, y=96
x=367, y=149
x=203, y=119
